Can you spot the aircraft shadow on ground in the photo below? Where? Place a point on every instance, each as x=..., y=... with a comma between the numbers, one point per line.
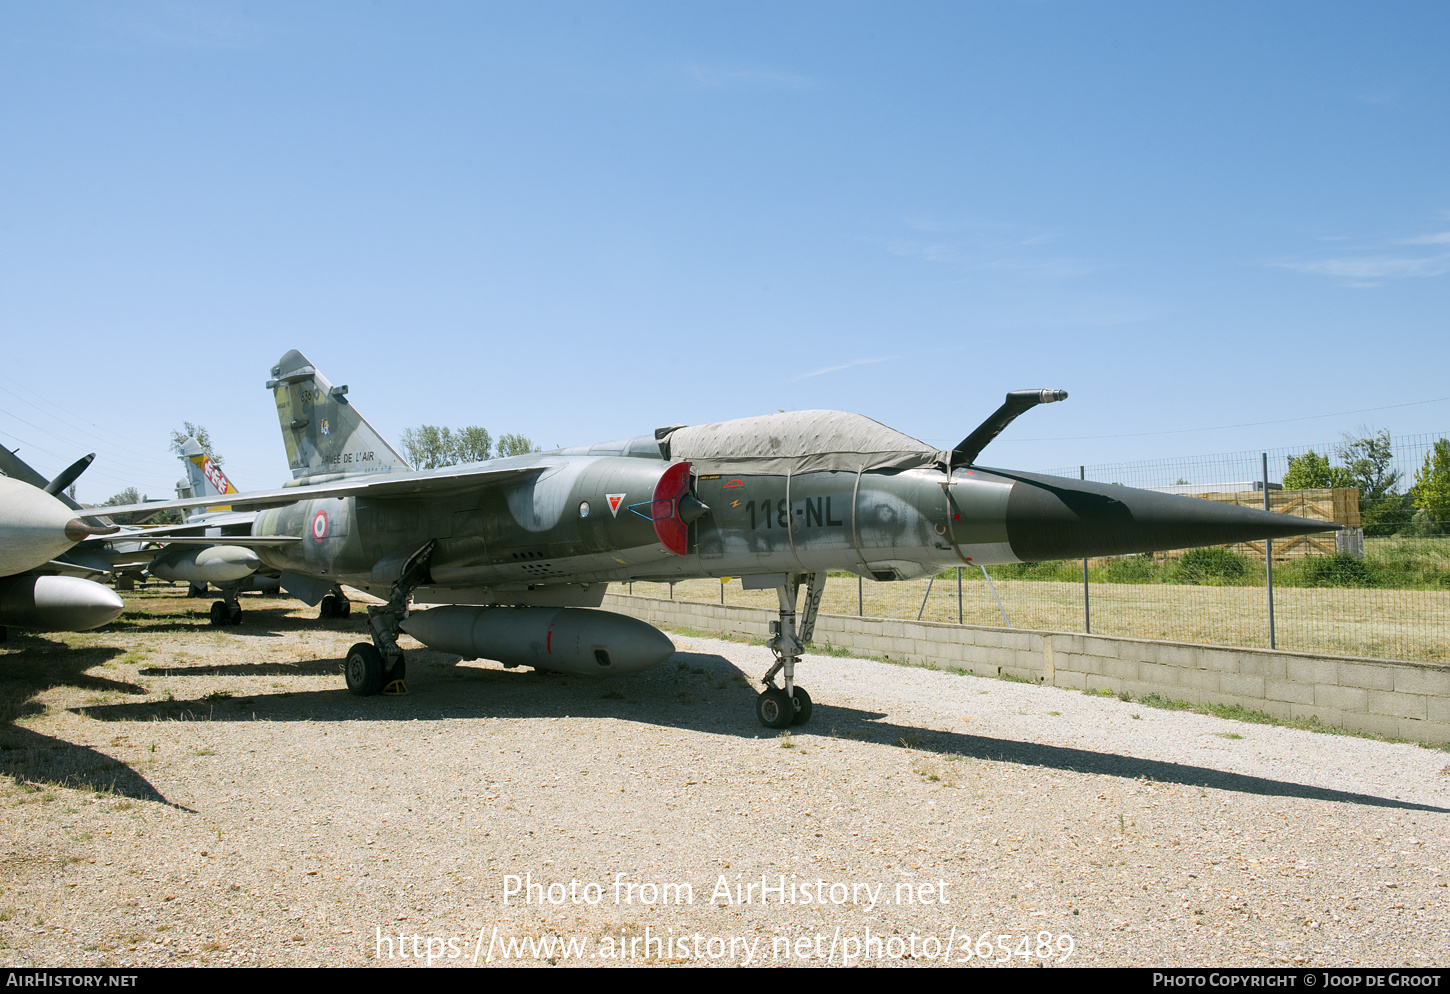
x=263, y=622
x=31, y=758
x=694, y=691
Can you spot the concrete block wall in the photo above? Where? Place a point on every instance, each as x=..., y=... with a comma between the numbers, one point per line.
x=1409, y=700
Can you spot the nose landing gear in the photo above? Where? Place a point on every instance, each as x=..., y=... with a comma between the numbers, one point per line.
x=782, y=707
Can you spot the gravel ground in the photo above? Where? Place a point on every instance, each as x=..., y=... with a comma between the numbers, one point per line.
x=179, y=795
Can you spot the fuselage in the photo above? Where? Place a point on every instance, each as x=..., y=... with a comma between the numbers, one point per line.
x=569, y=522
x=591, y=519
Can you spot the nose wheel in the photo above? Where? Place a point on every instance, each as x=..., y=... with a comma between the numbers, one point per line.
x=777, y=709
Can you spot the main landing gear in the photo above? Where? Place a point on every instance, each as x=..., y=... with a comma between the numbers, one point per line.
x=379, y=667
x=229, y=610
x=334, y=605
x=782, y=707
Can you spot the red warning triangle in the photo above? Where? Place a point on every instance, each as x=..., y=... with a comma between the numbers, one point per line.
x=614, y=501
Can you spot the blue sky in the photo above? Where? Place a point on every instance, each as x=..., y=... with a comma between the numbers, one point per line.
x=582, y=221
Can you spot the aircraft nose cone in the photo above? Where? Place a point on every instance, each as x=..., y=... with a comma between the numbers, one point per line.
x=34, y=527
x=1056, y=518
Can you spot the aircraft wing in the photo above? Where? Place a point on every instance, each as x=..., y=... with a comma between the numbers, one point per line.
x=244, y=541
x=451, y=480
x=64, y=567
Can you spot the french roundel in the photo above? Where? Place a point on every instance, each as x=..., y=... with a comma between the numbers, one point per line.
x=319, y=525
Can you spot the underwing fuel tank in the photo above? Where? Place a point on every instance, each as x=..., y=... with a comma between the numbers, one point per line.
x=566, y=640
x=57, y=603
x=211, y=564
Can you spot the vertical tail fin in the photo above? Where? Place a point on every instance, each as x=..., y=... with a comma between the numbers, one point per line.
x=325, y=436
x=204, y=478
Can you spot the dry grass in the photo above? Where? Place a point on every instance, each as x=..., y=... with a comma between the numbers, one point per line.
x=1378, y=623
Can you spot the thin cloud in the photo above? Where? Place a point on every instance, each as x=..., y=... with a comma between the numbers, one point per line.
x=1372, y=265
x=1443, y=238
x=180, y=24
x=996, y=247
x=715, y=78
x=987, y=261
x=845, y=365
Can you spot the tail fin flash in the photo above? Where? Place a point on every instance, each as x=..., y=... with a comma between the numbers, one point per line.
x=326, y=437
x=204, y=478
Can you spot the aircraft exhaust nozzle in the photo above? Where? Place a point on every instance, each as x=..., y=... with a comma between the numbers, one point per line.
x=567, y=640
x=1052, y=517
x=57, y=603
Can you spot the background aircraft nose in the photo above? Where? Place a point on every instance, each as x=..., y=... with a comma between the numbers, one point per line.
x=1052, y=517
x=34, y=527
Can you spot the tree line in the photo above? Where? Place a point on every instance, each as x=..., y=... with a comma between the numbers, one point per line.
x=1367, y=464
x=431, y=446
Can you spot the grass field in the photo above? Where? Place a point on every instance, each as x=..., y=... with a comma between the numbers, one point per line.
x=1374, y=622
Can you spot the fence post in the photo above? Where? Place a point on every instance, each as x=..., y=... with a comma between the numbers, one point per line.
x=860, y=602
x=992, y=587
x=1087, y=613
x=926, y=595
x=959, y=595
x=1269, y=559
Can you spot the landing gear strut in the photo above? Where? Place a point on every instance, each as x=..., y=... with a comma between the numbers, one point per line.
x=782, y=707
x=379, y=667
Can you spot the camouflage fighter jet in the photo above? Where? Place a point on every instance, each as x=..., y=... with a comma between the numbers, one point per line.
x=517, y=550
x=190, y=552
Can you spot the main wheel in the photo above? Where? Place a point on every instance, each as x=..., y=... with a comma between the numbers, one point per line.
x=364, y=669
x=219, y=612
x=234, y=614
x=344, y=607
x=328, y=608
x=774, y=709
x=802, y=702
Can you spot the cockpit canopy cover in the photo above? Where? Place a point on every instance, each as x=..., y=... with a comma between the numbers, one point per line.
x=797, y=442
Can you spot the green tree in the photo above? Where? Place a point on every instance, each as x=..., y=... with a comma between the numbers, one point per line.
x=1431, y=491
x=474, y=444
x=198, y=432
x=1311, y=471
x=1369, y=459
x=428, y=447
x=131, y=496
x=515, y=445
x=128, y=496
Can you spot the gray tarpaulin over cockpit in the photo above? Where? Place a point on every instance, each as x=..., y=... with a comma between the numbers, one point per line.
x=797, y=442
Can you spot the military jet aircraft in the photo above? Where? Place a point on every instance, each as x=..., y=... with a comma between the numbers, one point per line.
x=35, y=528
x=227, y=561
x=514, y=549
x=212, y=546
